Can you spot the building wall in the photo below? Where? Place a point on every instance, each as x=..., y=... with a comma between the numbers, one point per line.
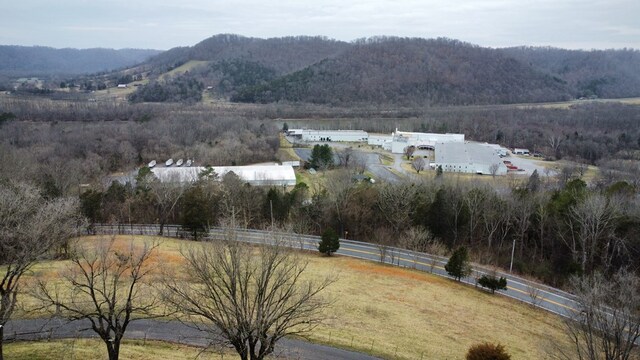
x=335, y=135
x=473, y=168
x=402, y=139
x=471, y=158
x=259, y=175
x=379, y=140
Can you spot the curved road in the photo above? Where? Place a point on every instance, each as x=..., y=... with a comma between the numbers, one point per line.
x=530, y=292
x=171, y=331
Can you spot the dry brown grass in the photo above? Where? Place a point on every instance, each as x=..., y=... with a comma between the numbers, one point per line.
x=401, y=313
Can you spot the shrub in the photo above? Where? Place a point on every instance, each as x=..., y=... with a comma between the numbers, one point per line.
x=487, y=351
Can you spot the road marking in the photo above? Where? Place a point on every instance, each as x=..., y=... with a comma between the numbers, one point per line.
x=442, y=268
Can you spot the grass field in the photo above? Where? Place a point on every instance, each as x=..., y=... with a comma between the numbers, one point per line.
x=188, y=66
x=399, y=313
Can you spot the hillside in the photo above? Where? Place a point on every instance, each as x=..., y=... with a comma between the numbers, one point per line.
x=603, y=73
x=414, y=72
x=381, y=70
x=282, y=55
x=38, y=60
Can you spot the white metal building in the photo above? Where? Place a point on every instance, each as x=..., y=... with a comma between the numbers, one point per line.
x=402, y=139
x=498, y=149
x=471, y=158
x=259, y=175
x=380, y=140
x=329, y=135
x=335, y=135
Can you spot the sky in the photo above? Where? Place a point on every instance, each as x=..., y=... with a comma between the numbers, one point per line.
x=161, y=24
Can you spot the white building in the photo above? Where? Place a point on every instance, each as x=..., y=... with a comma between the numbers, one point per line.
x=498, y=149
x=470, y=158
x=259, y=175
x=517, y=151
x=329, y=135
x=380, y=140
x=402, y=139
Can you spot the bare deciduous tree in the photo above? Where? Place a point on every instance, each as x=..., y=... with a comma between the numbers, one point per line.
x=394, y=202
x=166, y=195
x=30, y=227
x=247, y=296
x=416, y=240
x=107, y=286
x=607, y=325
x=408, y=151
x=593, y=224
x=345, y=156
x=418, y=164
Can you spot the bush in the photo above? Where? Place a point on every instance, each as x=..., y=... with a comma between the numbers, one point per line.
x=487, y=351
x=493, y=283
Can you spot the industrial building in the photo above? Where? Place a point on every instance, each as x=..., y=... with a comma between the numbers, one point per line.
x=258, y=175
x=473, y=158
x=329, y=135
x=402, y=139
x=498, y=149
x=380, y=140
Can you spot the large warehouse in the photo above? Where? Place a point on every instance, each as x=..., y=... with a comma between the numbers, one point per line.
x=402, y=139
x=329, y=135
x=259, y=175
x=471, y=158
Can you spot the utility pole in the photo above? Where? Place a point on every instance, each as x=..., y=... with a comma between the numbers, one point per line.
x=271, y=206
x=513, y=250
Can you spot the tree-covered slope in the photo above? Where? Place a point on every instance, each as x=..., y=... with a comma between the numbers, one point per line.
x=413, y=72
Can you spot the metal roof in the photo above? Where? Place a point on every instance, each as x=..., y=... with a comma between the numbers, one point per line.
x=253, y=174
x=465, y=153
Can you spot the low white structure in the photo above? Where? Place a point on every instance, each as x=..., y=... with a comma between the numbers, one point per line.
x=470, y=158
x=329, y=135
x=402, y=139
x=498, y=149
x=517, y=151
x=259, y=175
x=380, y=140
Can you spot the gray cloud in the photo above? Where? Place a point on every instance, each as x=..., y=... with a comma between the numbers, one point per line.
x=164, y=24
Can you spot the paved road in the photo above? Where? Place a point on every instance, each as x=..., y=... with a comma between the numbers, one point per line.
x=174, y=331
x=540, y=295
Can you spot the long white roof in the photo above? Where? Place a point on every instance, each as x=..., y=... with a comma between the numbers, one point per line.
x=465, y=153
x=253, y=174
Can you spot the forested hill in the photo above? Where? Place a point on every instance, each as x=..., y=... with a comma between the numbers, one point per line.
x=38, y=60
x=282, y=55
x=604, y=73
x=414, y=72
x=384, y=70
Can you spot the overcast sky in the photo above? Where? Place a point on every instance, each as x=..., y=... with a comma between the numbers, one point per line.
x=161, y=24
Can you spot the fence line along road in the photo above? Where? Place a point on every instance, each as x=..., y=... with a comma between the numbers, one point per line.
x=545, y=297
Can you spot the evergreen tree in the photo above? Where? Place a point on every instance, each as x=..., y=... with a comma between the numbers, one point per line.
x=493, y=283
x=196, y=213
x=458, y=265
x=533, y=185
x=321, y=156
x=329, y=242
